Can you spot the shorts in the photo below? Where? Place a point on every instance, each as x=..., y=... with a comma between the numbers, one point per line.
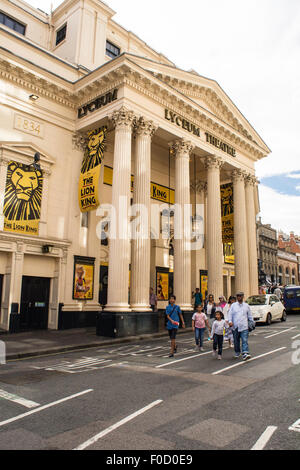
x=173, y=333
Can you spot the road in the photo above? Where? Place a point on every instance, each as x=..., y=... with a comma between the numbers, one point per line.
x=133, y=397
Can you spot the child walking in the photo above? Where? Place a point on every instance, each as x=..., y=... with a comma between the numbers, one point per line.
x=217, y=333
x=199, y=321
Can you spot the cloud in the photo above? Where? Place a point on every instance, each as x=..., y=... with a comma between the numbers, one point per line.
x=294, y=175
x=282, y=211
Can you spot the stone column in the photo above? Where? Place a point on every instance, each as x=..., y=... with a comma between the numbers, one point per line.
x=240, y=233
x=141, y=246
x=182, y=248
x=3, y=173
x=252, y=240
x=214, y=227
x=119, y=246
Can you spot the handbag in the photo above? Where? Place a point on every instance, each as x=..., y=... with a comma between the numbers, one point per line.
x=251, y=325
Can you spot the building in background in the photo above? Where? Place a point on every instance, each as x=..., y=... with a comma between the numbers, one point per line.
x=267, y=253
x=114, y=120
x=290, y=245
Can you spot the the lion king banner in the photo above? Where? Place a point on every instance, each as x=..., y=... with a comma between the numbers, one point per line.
x=227, y=213
x=90, y=170
x=23, y=198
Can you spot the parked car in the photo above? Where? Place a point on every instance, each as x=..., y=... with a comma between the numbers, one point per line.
x=266, y=308
x=291, y=299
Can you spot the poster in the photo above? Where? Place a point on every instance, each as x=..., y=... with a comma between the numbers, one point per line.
x=83, y=284
x=162, y=286
x=204, y=284
x=90, y=170
x=227, y=208
x=22, y=199
x=229, y=253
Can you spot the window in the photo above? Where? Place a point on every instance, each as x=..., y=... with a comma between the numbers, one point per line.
x=111, y=50
x=11, y=23
x=61, y=34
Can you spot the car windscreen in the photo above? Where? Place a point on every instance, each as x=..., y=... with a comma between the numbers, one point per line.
x=292, y=294
x=257, y=300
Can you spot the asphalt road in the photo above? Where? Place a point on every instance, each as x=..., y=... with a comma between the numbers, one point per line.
x=133, y=397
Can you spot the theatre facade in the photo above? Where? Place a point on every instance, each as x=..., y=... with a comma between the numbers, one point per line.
x=116, y=126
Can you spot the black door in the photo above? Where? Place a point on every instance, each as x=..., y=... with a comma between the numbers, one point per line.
x=34, y=303
x=1, y=283
x=103, y=285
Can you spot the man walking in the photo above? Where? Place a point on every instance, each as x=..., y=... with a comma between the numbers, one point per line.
x=238, y=317
x=174, y=316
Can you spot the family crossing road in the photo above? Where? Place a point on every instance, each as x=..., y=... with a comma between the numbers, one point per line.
x=68, y=401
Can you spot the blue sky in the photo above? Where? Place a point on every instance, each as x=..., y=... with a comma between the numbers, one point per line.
x=252, y=49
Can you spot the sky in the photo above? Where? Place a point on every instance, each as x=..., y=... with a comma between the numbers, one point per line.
x=252, y=49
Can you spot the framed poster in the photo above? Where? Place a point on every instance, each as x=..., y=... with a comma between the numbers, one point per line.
x=83, y=281
x=162, y=284
x=204, y=284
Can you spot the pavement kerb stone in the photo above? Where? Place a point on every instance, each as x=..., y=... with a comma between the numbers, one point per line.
x=77, y=347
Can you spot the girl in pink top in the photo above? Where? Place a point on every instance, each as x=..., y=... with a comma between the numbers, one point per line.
x=199, y=321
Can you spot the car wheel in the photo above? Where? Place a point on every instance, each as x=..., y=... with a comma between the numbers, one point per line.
x=269, y=319
x=284, y=316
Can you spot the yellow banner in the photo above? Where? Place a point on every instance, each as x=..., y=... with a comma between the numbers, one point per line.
x=90, y=170
x=227, y=213
x=22, y=199
x=229, y=253
x=157, y=192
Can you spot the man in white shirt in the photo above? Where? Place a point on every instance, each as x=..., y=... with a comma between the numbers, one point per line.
x=238, y=317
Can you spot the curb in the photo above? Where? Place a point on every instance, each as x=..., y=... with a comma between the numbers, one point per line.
x=78, y=347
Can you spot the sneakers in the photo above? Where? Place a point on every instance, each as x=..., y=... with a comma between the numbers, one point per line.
x=246, y=357
x=214, y=354
x=237, y=356
x=171, y=355
x=202, y=349
x=219, y=358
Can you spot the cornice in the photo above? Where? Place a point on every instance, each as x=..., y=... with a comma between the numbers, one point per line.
x=156, y=91
x=36, y=85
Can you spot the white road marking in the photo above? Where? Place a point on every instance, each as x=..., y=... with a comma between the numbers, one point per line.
x=245, y=362
x=185, y=359
x=96, y=438
x=280, y=333
x=296, y=426
x=264, y=438
x=44, y=407
x=19, y=400
x=295, y=337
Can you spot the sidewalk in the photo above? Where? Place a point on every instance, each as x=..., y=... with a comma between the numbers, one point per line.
x=41, y=343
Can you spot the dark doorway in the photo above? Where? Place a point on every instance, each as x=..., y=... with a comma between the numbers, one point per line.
x=1, y=284
x=34, y=303
x=103, y=285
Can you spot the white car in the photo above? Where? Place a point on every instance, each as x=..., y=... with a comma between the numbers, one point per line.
x=266, y=308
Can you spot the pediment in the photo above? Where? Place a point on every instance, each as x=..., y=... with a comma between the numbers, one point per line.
x=24, y=152
x=205, y=92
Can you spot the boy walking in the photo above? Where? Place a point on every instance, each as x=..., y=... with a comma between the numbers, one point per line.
x=174, y=316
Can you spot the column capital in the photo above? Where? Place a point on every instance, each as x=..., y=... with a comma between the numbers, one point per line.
x=79, y=140
x=143, y=127
x=238, y=175
x=181, y=147
x=199, y=186
x=251, y=180
x=123, y=118
x=213, y=162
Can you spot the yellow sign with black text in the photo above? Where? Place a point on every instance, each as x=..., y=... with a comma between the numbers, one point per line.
x=227, y=213
x=88, y=193
x=22, y=199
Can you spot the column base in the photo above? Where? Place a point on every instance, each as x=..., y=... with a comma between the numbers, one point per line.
x=121, y=325
x=186, y=307
x=188, y=315
x=117, y=308
x=141, y=308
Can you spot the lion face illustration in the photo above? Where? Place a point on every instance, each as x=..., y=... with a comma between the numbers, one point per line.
x=23, y=194
x=95, y=149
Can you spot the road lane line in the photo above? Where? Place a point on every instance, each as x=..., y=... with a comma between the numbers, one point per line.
x=44, y=407
x=264, y=438
x=96, y=438
x=185, y=359
x=295, y=337
x=21, y=401
x=296, y=426
x=280, y=333
x=245, y=362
